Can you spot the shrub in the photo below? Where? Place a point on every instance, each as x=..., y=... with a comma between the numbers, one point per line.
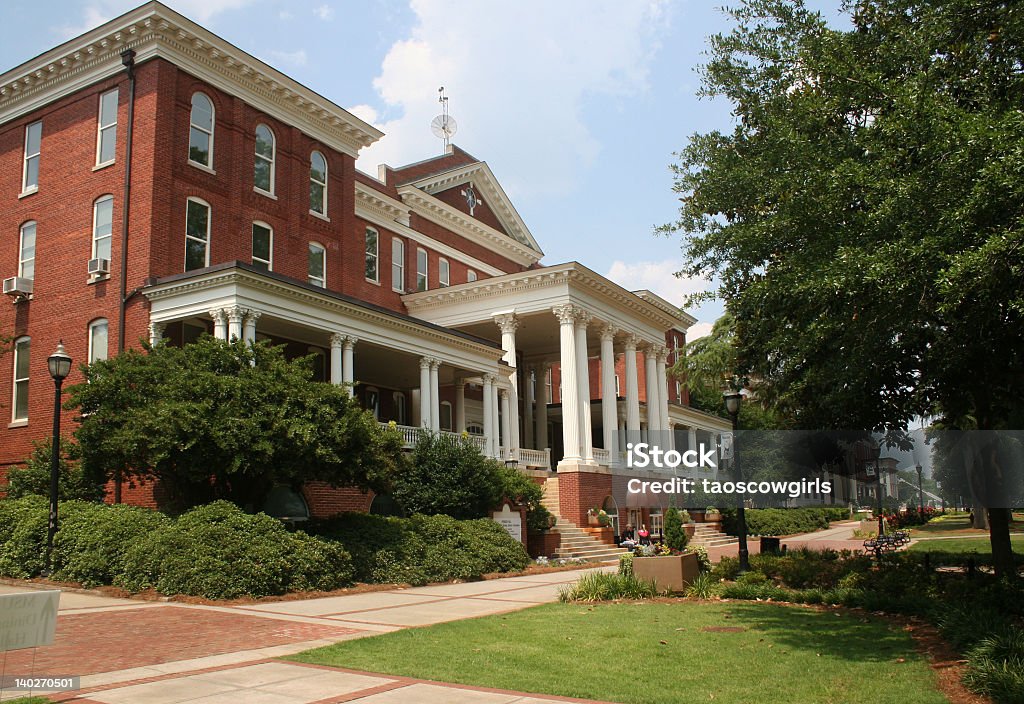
x=783, y=521
x=754, y=591
x=218, y=552
x=728, y=568
x=34, y=478
x=675, y=532
x=606, y=586
x=23, y=528
x=626, y=564
x=995, y=667
x=90, y=546
x=703, y=586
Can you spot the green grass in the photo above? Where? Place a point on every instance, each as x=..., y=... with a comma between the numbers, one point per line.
x=652, y=653
x=27, y=700
x=979, y=545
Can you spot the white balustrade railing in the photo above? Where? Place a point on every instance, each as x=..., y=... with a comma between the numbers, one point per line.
x=603, y=457
x=527, y=458
x=535, y=458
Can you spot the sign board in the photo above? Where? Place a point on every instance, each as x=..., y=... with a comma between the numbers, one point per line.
x=511, y=521
x=870, y=470
x=725, y=446
x=28, y=619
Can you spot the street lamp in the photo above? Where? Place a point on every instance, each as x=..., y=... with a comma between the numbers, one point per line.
x=732, y=407
x=920, y=487
x=874, y=452
x=59, y=364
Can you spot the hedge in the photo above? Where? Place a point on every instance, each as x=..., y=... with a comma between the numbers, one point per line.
x=423, y=549
x=784, y=521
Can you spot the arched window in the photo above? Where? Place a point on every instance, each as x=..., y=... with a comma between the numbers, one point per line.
x=263, y=246
x=317, y=265
x=373, y=401
x=27, y=251
x=197, y=234
x=383, y=505
x=470, y=276
x=263, y=175
x=98, y=340
x=21, y=369
x=200, y=135
x=317, y=184
x=102, y=226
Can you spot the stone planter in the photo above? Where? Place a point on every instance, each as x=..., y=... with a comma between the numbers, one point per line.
x=671, y=573
x=690, y=529
x=712, y=517
x=593, y=521
x=696, y=516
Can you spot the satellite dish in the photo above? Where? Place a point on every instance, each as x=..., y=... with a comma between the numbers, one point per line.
x=443, y=127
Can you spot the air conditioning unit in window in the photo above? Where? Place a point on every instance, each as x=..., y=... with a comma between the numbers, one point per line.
x=18, y=286
x=99, y=267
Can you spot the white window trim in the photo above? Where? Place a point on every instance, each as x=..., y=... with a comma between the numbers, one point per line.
x=451, y=416
x=471, y=276
x=323, y=255
x=425, y=272
x=444, y=272
x=401, y=408
x=209, y=225
x=272, y=160
x=95, y=211
x=375, y=410
x=398, y=282
x=92, y=326
x=319, y=213
x=375, y=254
x=100, y=128
x=15, y=420
x=270, y=261
x=21, y=248
x=212, y=130
x=25, y=188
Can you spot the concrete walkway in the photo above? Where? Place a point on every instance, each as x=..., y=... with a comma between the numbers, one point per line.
x=135, y=652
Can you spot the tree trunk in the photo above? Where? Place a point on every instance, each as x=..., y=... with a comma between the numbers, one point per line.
x=980, y=518
x=999, y=537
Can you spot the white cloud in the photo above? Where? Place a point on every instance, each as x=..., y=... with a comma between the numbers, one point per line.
x=700, y=329
x=325, y=12
x=97, y=12
x=285, y=15
x=518, y=76
x=290, y=58
x=659, y=277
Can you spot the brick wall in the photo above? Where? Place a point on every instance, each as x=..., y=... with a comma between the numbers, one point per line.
x=579, y=491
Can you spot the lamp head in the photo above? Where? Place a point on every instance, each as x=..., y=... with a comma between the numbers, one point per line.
x=59, y=363
x=732, y=402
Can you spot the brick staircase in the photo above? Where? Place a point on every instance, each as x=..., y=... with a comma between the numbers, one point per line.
x=576, y=543
x=707, y=536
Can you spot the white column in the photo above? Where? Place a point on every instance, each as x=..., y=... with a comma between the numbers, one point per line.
x=235, y=316
x=528, y=406
x=570, y=398
x=583, y=383
x=337, y=342
x=425, y=402
x=488, y=415
x=508, y=323
x=671, y=436
x=691, y=438
x=506, y=423
x=249, y=328
x=495, y=442
x=663, y=391
x=609, y=413
x=348, y=373
x=654, y=424
x=435, y=396
x=460, y=405
x=632, y=392
x=156, y=333
x=220, y=323
x=542, y=406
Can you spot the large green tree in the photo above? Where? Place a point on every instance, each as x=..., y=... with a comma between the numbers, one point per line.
x=215, y=420
x=863, y=216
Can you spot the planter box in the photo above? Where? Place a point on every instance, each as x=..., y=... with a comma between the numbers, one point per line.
x=546, y=543
x=671, y=573
x=712, y=517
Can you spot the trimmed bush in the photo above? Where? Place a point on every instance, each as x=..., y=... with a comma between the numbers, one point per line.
x=605, y=586
x=34, y=478
x=219, y=552
x=23, y=527
x=675, y=532
x=784, y=521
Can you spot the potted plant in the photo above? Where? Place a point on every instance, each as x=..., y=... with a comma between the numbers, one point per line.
x=712, y=514
x=603, y=519
x=592, y=519
x=671, y=564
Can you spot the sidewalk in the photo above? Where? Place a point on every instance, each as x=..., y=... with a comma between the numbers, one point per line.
x=134, y=652
x=837, y=537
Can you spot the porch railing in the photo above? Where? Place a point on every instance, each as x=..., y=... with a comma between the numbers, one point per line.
x=535, y=458
x=603, y=457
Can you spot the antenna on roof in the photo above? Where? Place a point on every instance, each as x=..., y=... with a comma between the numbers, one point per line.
x=443, y=126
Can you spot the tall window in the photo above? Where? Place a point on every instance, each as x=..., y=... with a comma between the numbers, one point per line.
x=20, y=405
x=102, y=227
x=470, y=275
x=318, y=183
x=106, y=128
x=33, y=142
x=445, y=420
x=27, y=251
x=98, y=340
x=398, y=264
x=200, y=134
x=421, y=270
x=372, y=252
x=263, y=176
x=443, y=272
x=399, y=399
x=262, y=246
x=317, y=268
x=197, y=234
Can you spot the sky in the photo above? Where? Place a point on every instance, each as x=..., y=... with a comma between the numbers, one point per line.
x=577, y=105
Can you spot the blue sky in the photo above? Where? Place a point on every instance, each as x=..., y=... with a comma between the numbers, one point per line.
x=576, y=105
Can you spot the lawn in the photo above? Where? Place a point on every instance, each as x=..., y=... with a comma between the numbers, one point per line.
x=651, y=653
x=980, y=545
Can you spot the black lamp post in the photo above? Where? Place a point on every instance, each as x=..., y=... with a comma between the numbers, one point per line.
x=59, y=364
x=732, y=407
x=874, y=452
x=920, y=487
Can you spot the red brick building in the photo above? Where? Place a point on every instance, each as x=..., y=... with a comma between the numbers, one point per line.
x=162, y=183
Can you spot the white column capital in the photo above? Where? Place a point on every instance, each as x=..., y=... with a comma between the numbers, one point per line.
x=253, y=315
x=219, y=315
x=338, y=340
x=608, y=332
x=460, y=383
x=236, y=313
x=632, y=341
x=426, y=363
x=508, y=323
x=567, y=313
x=156, y=332
x=350, y=341
x=489, y=378
x=435, y=363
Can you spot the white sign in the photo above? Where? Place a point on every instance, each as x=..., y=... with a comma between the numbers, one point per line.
x=511, y=521
x=28, y=619
x=726, y=446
